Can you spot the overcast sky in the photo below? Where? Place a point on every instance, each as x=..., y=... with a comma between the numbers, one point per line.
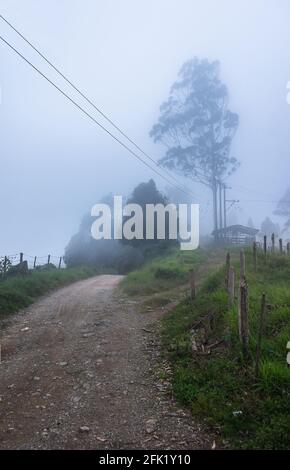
x=125, y=54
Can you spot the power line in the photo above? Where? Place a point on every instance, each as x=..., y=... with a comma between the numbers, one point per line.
x=89, y=100
x=264, y=202
x=92, y=118
x=255, y=192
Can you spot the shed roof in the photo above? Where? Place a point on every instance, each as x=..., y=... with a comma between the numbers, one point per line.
x=237, y=229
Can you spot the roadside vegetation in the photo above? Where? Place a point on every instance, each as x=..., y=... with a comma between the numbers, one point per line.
x=211, y=374
x=20, y=291
x=163, y=274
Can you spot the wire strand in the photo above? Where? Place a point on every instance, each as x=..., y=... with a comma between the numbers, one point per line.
x=94, y=120
x=88, y=99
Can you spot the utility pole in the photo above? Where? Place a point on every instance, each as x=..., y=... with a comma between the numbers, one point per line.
x=215, y=209
x=225, y=209
x=232, y=202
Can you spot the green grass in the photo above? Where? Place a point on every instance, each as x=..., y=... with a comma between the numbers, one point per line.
x=221, y=387
x=164, y=273
x=21, y=291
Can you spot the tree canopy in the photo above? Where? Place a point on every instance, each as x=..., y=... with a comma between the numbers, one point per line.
x=147, y=193
x=268, y=227
x=117, y=255
x=197, y=127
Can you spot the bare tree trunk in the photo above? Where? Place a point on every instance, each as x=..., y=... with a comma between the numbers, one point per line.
x=215, y=209
x=220, y=207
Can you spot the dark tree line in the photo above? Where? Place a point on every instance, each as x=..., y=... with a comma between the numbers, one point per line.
x=118, y=255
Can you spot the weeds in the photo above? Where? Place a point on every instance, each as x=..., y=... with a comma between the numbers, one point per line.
x=220, y=386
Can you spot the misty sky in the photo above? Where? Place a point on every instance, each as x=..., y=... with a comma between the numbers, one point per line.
x=125, y=54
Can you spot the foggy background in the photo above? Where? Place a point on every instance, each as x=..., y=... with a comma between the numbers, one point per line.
x=125, y=55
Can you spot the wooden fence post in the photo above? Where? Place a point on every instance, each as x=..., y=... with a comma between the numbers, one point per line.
x=265, y=245
x=192, y=284
x=34, y=264
x=48, y=259
x=231, y=286
x=242, y=265
x=228, y=264
x=21, y=258
x=243, y=317
x=260, y=333
x=273, y=242
x=255, y=255
x=288, y=248
x=59, y=264
x=280, y=245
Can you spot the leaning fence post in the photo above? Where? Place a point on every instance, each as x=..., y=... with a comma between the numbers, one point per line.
x=21, y=258
x=255, y=255
x=48, y=259
x=242, y=265
x=228, y=264
x=260, y=333
x=231, y=286
x=34, y=264
x=192, y=284
x=59, y=264
x=243, y=317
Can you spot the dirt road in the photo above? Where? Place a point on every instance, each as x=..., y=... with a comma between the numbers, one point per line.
x=77, y=372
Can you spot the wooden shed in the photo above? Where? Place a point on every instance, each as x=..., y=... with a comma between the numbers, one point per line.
x=236, y=235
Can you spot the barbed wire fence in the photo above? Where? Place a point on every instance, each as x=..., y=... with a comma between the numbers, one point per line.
x=262, y=253
x=22, y=261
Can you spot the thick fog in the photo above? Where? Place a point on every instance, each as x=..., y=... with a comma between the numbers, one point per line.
x=125, y=55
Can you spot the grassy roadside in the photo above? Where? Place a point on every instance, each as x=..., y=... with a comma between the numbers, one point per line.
x=209, y=372
x=166, y=273
x=21, y=291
